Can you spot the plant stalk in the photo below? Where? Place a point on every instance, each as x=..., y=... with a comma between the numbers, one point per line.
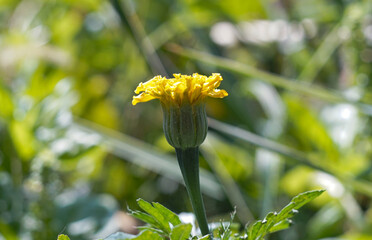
x=188, y=160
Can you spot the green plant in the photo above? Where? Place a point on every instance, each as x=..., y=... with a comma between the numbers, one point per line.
x=185, y=124
x=161, y=223
x=185, y=127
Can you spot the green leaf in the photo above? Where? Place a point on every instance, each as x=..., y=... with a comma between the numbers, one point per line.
x=168, y=214
x=281, y=226
x=156, y=214
x=152, y=229
x=261, y=228
x=181, y=232
x=63, y=237
x=269, y=221
x=147, y=235
x=146, y=218
x=255, y=230
x=297, y=202
x=274, y=222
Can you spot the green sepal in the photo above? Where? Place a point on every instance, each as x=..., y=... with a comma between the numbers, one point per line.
x=185, y=126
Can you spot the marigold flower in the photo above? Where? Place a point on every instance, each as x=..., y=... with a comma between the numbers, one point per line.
x=182, y=99
x=180, y=90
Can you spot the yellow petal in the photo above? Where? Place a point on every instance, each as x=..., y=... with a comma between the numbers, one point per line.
x=182, y=89
x=218, y=93
x=143, y=97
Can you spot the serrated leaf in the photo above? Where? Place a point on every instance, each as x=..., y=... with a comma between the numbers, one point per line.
x=147, y=235
x=156, y=214
x=254, y=230
x=297, y=202
x=152, y=229
x=63, y=237
x=269, y=221
x=281, y=226
x=168, y=214
x=263, y=227
x=181, y=232
x=146, y=218
x=275, y=222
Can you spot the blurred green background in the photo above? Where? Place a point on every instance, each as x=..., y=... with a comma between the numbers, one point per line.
x=74, y=152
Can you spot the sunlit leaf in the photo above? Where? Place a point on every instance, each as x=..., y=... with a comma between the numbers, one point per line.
x=297, y=202
x=281, y=226
x=181, y=232
x=146, y=235
x=146, y=218
x=63, y=237
x=168, y=214
x=156, y=214
x=274, y=222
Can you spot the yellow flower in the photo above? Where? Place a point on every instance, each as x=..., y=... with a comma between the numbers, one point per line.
x=182, y=99
x=180, y=90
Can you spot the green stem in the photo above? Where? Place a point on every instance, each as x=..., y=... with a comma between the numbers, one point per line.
x=188, y=159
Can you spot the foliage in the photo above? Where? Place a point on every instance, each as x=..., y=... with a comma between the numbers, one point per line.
x=164, y=224
x=63, y=237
